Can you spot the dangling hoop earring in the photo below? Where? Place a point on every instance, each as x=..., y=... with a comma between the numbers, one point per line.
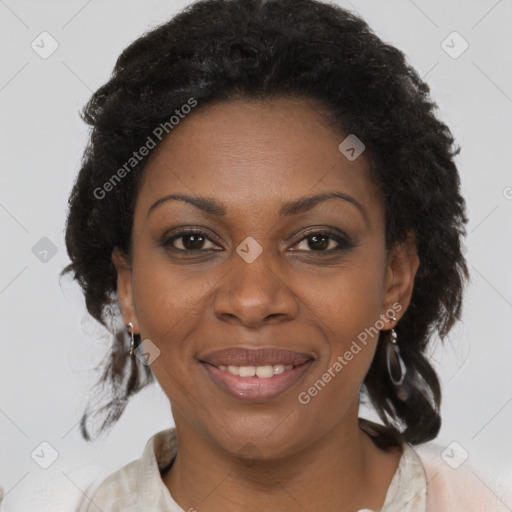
x=394, y=360
x=129, y=326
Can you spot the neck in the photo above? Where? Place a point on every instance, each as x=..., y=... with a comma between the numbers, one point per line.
x=342, y=471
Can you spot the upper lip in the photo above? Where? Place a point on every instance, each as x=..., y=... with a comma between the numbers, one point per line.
x=239, y=356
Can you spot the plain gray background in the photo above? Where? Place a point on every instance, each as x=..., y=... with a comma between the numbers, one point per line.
x=50, y=345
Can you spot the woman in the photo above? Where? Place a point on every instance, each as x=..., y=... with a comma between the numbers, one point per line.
x=273, y=206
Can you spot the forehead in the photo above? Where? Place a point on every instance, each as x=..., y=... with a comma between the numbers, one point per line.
x=258, y=153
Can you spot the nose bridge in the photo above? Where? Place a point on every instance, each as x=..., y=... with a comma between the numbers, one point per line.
x=252, y=275
x=253, y=290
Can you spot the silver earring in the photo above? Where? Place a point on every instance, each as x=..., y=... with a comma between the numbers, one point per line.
x=394, y=362
x=129, y=326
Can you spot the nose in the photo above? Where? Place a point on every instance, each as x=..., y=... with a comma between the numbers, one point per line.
x=254, y=294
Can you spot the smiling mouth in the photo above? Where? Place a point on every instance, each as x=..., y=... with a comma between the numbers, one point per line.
x=252, y=387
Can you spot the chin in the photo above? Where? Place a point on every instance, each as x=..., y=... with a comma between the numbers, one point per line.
x=261, y=436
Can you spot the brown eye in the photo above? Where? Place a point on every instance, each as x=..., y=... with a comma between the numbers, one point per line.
x=318, y=242
x=189, y=241
x=322, y=241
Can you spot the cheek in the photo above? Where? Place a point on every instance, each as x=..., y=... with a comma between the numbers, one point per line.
x=349, y=299
x=348, y=311
x=348, y=305
x=169, y=307
x=166, y=303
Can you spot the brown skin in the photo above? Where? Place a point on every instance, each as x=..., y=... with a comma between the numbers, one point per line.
x=276, y=455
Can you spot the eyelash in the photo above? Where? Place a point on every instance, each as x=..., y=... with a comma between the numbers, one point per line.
x=343, y=242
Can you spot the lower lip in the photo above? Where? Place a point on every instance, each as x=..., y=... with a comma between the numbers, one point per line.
x=255, y=389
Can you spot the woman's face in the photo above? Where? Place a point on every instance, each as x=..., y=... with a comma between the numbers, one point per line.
x=274, y=280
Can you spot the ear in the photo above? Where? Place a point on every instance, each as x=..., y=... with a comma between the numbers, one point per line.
x=403, y=262
x=124, y=288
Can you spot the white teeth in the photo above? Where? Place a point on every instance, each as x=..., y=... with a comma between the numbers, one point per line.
x=278, y=368
x=263, y=372
x=247, y=371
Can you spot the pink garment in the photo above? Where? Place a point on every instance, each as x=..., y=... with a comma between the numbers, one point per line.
x=463, y=488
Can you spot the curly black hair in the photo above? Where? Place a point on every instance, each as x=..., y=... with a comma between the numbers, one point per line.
x=218, y=50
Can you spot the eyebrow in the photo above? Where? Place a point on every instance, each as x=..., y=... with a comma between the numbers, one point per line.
x=295, y=207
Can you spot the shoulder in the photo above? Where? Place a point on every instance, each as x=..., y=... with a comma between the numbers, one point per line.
x=137, y=484
x=111, y=491
x=453, y=483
